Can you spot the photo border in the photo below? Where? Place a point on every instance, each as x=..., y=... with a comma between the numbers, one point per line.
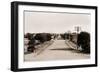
x=14, y=35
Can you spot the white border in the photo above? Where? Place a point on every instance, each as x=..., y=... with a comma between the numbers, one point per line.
x=22, y=64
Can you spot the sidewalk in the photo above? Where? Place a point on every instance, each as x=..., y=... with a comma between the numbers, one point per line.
x=72, y=45
x=41, y=48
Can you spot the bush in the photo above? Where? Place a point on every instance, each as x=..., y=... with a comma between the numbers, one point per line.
x=84, y=41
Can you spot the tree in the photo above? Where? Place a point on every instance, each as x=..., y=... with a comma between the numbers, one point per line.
x=29, y=36
x=84, y=41
x=49, y=37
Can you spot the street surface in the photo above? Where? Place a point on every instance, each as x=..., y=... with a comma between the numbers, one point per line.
x=58, y=50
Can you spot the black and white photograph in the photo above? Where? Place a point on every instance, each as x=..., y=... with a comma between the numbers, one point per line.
x=52, y=36
x=56, y=36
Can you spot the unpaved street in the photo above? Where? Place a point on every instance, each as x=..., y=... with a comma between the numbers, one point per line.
x=59, y=50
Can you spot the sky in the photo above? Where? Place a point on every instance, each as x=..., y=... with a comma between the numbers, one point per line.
x=48, y=22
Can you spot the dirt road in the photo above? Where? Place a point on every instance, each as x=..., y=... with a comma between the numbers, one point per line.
x=59, y=50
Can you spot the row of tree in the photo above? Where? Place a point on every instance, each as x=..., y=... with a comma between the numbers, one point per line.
x=36, y=39
x=82, y=40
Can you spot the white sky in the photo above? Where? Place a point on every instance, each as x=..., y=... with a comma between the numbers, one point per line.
x=36, y=22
